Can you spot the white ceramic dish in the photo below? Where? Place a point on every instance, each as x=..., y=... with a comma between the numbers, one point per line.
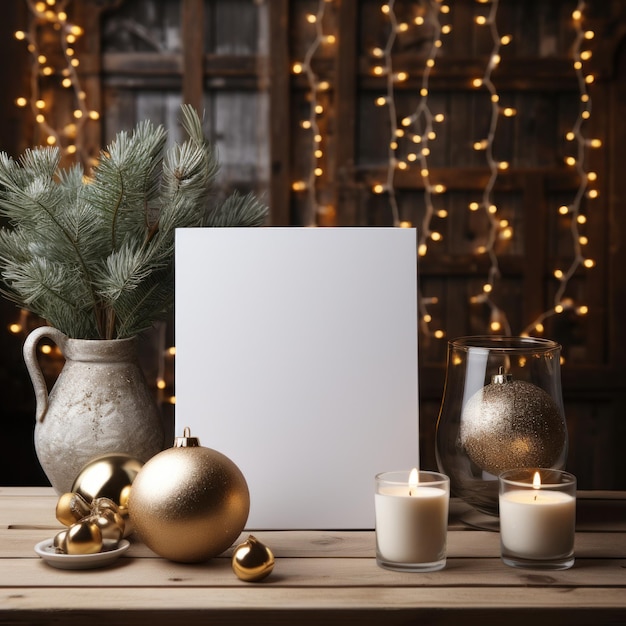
x=46, y=550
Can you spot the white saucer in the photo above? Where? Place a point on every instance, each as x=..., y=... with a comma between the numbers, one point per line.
x=46, y=550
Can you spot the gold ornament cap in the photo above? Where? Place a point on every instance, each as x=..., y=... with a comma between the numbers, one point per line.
x=186, y=441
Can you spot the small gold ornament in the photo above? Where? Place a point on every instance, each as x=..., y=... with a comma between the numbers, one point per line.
x=189, y=503
x=109, y=476
x=512, y=423
x=59, y=540
x=83, y=537
x=71, y=508
x=110, y=523
x=252, y=560
x=91, y=526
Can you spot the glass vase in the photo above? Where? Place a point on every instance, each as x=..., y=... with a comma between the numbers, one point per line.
x=502, y=409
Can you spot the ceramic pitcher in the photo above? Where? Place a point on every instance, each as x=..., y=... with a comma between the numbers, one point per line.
x=99, y=404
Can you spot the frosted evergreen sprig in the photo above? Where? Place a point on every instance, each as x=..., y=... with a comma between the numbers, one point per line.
x=94, y=255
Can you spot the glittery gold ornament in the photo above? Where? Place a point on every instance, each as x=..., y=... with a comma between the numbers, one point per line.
x=189, y=503
x=109, y=476
x=512, y=423
x=252, y=560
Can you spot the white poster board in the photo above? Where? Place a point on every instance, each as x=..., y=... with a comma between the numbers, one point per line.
x=296, y=357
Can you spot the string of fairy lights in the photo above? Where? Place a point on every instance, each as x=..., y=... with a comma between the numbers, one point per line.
x=587, y=189
x=410, y=138
x=385, y=68
x=50, y=40
x=315, y=86
x=500, y=228
x=497, y=227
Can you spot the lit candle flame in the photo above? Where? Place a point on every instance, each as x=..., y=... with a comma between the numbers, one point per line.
x=413, y=481
x=536, y=481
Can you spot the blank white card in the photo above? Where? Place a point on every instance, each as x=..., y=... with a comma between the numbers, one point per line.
x=296, y=356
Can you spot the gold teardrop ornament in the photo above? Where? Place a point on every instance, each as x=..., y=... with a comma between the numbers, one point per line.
x=252, y=560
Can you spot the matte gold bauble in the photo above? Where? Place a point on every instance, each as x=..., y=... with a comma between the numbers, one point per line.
x=252, y=560
x=109, y=476
x=189, y=503
x=512, y=423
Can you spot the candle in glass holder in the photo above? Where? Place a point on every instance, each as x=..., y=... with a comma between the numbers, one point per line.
x=537, y=518
x=412, y=520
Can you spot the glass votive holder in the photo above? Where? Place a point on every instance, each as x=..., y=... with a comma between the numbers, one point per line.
x=537, y=518
x=412, y=520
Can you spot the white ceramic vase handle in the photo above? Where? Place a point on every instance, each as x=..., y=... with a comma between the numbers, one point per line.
x=34, y=369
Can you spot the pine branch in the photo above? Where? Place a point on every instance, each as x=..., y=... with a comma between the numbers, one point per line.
x=95, y=258
x=51, y=290
x=238, y=210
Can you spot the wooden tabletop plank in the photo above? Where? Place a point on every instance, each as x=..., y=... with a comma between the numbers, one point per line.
x=312, y=572
x=389, y=606
x=21, y=492
x=19, y=542
x=36, y=510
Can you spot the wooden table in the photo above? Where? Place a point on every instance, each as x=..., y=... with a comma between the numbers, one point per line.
x=320, y=577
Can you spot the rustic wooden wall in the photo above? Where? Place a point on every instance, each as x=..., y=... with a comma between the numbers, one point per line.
x=536, y=77
x=234, y=59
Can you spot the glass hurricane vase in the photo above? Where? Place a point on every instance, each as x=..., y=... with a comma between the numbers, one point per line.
x=502, y=408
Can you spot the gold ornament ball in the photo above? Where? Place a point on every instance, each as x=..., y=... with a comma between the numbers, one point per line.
x=84, y=537
x=59, y=541
x=106, y=515
x=71, y=507
x=189, y=503
x=252, y=560
x=109, y=476
x=512, y=423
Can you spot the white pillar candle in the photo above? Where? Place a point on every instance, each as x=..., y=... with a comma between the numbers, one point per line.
x=537, y=523
x=537, y=526
x=412, y=520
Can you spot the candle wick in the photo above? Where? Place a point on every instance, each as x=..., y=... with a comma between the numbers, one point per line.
x=535, y=497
